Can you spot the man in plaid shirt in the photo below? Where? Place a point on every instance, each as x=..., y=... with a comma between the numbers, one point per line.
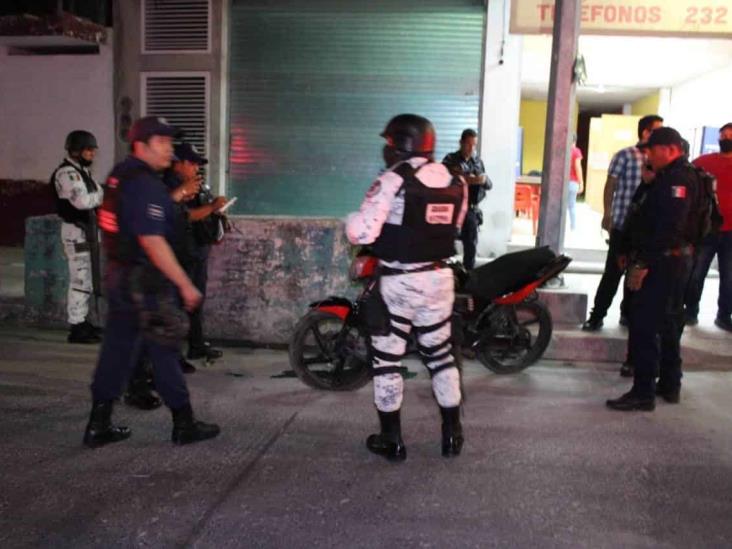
x=627, y=170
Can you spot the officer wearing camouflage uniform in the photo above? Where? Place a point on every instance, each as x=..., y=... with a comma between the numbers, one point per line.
x=411, y=215
x=77, y=197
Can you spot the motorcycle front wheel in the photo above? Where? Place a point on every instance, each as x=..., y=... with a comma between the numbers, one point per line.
x=326, y=354
x=514, y=337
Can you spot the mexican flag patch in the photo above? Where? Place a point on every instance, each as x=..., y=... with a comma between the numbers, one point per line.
x=678, y=191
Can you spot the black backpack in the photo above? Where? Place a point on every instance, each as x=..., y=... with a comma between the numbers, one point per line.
x=708, y=214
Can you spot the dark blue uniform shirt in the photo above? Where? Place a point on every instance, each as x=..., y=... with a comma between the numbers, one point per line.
x=140, y=204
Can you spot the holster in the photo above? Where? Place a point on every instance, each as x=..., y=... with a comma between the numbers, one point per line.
x=373, y=312
x=161, y=317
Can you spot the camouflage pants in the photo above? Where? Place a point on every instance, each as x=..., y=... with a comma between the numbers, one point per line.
x=80, y=277
x=422, y=302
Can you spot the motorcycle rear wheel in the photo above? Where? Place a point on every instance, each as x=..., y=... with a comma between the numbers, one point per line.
x=318, y=363
x=515, y=337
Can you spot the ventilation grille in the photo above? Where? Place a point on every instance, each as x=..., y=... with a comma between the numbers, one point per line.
x=183, y=102
x=176, y=26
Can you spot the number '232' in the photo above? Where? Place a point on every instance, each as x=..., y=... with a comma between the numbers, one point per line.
x=706, y=16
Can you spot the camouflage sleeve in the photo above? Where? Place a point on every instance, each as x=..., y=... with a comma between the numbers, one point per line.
x=364, y=226
x=70, y=186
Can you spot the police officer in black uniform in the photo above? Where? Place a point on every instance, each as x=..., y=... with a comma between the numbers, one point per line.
x=661, y=232
x=466, y=163
x=200, y=215
x=147, y=288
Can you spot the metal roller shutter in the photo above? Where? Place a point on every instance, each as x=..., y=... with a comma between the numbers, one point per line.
x=312, y=85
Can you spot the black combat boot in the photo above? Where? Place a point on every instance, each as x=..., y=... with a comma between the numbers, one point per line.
x=186, y=429
x=99, y=430
x=452, y=431
x=204, y=351
x=388, y=442
x=82, y=333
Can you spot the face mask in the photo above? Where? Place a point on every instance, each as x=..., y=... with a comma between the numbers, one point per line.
x=84, y=163
x=725, y=145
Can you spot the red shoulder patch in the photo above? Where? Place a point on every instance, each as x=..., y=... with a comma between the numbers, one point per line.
x=112, y=182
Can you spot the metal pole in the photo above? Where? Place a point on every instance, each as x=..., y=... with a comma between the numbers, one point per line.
x=557, y=140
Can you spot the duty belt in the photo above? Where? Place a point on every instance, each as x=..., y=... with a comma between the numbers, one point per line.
x=386, y=271
x=680, y=252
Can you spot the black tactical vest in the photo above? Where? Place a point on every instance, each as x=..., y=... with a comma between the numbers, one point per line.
x=64, y=208
x=429, y=223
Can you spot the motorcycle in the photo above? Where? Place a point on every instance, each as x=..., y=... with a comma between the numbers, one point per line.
x=497, y=316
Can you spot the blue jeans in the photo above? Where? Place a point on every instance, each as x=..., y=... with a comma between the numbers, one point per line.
x=572, y=203
x=720, y=245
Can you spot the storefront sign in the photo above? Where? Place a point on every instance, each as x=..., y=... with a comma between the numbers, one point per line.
x=693, y=18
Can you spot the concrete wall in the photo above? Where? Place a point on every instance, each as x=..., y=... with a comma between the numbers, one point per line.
x=703, y=101
x=130, y=62
x=499, y=128
x=42, y=99
x=261, y=278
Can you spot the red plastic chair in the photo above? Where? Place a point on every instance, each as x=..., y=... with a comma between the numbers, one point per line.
x=527, y=202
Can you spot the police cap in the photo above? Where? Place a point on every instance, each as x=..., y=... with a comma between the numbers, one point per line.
x=188, y=151
x=664, y=136
x=78, y=140
x=410, y=133
x=144, y=128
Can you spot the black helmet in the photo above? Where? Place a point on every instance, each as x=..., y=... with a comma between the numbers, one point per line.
x=78, y=140
x=411, y=135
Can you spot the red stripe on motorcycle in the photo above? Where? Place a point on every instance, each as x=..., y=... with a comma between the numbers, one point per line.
x=338, y=310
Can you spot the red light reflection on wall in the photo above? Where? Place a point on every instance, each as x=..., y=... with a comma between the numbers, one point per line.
x=246, y=158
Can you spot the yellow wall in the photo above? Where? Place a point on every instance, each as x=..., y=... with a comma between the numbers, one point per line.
x=646, y=105
x=532, y=118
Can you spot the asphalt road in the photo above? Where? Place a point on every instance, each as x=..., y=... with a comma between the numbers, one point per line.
x=544, y=465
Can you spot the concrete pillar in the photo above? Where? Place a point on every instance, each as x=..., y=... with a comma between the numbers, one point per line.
x=499, y=121
x=558, y=136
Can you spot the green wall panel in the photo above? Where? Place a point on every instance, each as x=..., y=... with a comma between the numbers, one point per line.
x=312, y=84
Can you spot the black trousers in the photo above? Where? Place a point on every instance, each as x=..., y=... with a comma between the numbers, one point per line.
x=469, y=237
x=608, y=286
x=656, y=323
x=123, y=342
x=198, y=272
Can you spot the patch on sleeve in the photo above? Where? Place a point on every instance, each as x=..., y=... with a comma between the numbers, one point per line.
x=373, y=189
x=112, y=182
x=439, y=214
x=155, y=212
x=678, y=191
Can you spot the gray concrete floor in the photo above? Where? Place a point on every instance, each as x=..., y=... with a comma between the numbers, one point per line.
x=545, y=464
